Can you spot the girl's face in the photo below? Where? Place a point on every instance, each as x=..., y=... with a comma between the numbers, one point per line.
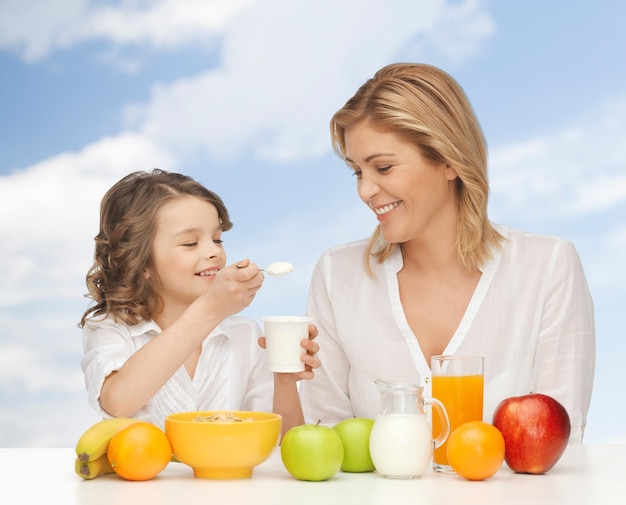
x=187, y=250
x=412, y=197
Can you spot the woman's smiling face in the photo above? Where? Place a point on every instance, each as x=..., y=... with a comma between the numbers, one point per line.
x=187, y=249
x=409, y=194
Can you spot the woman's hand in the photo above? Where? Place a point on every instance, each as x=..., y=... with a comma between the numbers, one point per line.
x=310, y=360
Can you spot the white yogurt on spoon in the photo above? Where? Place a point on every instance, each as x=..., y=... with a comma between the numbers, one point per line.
x=279, y=268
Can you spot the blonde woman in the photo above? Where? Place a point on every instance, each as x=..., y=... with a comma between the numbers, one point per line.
x=437, y=276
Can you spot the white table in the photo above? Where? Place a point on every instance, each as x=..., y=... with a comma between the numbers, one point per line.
x=584, y=475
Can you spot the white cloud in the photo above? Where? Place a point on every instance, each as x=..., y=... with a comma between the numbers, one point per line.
x=460, y=28
x=272, y=99
x=569, y=173
x=52, y=215
x=17, y=363
x=607, y=272
x=574, y=178
x=285, y=66
x=34, y=28
x=163, y=23
x=39, y=424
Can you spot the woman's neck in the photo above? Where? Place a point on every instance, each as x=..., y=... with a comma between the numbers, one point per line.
x=437, y=252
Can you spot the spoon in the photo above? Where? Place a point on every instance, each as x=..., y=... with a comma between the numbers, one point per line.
x=277, y=269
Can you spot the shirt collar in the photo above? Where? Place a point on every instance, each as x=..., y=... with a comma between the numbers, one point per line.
x=394, y=263
x=143, y=327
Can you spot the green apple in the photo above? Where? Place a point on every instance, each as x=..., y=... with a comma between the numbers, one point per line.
x=355, y=436
x=312, y=452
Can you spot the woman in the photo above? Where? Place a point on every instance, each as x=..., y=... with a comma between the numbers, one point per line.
x=437, y=277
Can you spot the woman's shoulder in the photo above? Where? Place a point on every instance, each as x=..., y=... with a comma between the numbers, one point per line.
x=348, y=263
x=534, y=246
x=347, y=251
x=355, y=245
x=524, y=238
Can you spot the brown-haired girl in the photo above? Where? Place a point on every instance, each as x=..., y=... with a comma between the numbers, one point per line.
x=162, y=335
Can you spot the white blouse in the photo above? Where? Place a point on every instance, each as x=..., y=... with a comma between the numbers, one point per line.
x=249, y=386
x=531, y=317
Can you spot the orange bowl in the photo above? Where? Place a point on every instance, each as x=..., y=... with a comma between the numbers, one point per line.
x=223, y=450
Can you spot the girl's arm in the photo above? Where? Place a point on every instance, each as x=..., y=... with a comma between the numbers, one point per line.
x=124, y=392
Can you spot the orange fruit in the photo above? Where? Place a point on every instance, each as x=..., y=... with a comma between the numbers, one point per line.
x=475, y=450
x=139, y=451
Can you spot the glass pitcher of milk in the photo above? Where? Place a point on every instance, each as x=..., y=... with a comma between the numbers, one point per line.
x=401, y=441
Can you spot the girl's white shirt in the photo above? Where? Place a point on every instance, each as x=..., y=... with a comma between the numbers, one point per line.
x=108, y=344
x=531, y=317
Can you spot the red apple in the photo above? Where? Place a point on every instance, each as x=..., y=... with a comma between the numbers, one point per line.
x=536, y=431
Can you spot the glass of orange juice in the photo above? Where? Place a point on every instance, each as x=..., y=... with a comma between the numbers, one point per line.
x=457, y=382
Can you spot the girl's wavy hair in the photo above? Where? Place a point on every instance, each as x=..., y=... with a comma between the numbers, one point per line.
x=116, y=281
x=427, y=107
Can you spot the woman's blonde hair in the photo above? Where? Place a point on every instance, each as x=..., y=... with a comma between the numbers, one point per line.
x=123, y=251
x=427, y=107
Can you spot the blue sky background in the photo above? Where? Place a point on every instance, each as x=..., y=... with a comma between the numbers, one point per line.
x=238, y=94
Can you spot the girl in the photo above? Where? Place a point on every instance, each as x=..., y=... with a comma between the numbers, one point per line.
x=162, y=336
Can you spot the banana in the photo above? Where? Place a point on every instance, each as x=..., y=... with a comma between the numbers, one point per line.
x=94, y=442
x=92, y=469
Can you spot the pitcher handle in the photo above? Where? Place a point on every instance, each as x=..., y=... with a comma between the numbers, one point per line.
x=441, y=411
